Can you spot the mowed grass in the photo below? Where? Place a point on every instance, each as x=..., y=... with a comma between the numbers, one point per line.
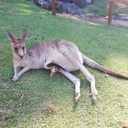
x=38, y=101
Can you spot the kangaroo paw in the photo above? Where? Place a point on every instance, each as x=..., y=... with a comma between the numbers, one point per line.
x=13, y=80
x=77, y=96
x=94, y=96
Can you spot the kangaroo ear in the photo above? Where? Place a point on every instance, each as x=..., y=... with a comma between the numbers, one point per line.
x=23, y=34
x=11, y=36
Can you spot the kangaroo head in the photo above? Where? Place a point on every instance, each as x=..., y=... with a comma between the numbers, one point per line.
x=17, y=45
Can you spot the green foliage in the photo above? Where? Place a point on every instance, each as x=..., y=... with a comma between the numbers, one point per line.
x=38, y=101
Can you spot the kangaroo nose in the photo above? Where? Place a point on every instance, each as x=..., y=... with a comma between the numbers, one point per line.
x=21, y=57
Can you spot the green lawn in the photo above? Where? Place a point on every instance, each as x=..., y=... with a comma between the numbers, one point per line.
x=38, y=101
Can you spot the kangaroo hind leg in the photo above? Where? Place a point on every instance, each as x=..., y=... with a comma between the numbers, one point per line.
x=88, y=75
x=76, y=82
x=91, y=79
x=75, y=57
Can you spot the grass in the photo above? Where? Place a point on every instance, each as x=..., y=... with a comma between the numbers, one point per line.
x=38, y=101
x=100, y=7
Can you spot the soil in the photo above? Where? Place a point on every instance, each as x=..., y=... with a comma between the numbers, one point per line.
x=120, y=20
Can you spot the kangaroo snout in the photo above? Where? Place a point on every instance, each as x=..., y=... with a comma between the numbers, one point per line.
x=21, y=53
x=21, y=57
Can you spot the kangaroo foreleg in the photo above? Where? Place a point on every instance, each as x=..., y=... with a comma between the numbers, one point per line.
x=75, y=80
x=18, y=72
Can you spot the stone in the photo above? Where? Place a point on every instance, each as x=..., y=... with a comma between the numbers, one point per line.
x=89, y=1
x=65, y=7
x=80, y=3
x=70, y=1
x=44, y=4
x=72, y=7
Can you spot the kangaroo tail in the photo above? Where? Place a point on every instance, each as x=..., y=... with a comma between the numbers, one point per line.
x=95, y=65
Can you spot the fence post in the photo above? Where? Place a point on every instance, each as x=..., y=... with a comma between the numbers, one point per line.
x=53, y=7
x=110, y=7
x=110, y=12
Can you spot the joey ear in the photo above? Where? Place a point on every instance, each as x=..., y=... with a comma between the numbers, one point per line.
x=23, y=34
x=11, y=36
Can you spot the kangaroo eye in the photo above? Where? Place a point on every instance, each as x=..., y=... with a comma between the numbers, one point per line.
x=16, y=49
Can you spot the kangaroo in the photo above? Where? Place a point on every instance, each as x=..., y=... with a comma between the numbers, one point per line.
x=64, y=53
x=54, y=68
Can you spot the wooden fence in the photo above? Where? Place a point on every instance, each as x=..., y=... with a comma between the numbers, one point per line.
x=111, y=5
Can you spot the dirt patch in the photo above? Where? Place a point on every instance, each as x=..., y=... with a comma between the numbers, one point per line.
x=117, y=20
x=120, y=20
